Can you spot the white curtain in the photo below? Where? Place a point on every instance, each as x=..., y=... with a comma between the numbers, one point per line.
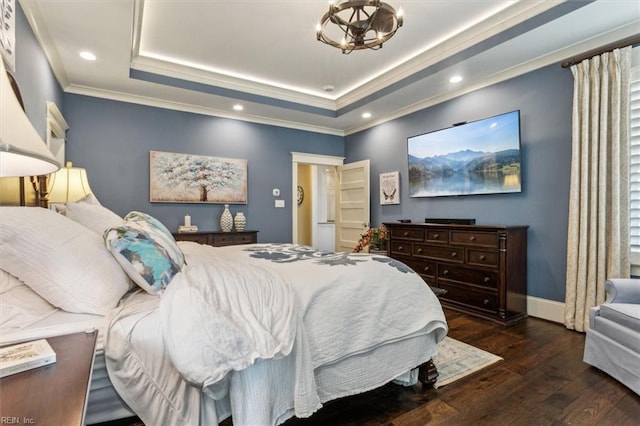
x=598, y=237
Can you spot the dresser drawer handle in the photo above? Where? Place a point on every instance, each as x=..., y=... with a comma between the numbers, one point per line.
x=436, y=236
x=419, y=250
x=405, y=234
x=472, y=238
x=487, y=279
x=486, y=302
x=445, y=272
x=400, y=248
x=482, y=257
x=454, y=254
x=427, y=268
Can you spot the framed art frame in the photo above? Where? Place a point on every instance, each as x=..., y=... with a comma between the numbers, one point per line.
x=390, y=188
x=189, y=178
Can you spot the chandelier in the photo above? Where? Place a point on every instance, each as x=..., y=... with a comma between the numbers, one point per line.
x=360, y=24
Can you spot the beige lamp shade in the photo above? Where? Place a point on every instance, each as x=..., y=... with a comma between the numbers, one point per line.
x=22, y=151
x=69, y=184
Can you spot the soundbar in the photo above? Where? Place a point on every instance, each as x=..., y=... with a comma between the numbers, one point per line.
x=450, y=221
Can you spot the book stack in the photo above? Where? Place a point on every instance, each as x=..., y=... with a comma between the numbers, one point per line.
x=25, y=356
x=186, y=229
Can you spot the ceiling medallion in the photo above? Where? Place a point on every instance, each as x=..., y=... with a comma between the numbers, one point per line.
x=363, y=24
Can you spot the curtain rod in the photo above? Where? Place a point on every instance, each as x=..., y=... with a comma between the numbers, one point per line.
x=629, y=41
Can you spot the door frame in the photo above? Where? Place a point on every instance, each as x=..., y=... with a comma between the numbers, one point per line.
x=311, y=159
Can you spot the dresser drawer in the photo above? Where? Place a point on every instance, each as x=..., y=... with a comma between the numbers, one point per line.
x=485, y=301
x=401, y=247
x=466, y=275
x=407, y=233
x=437, y=236
x=196, y=238
x=450, y=254
x=222, y=239
x=473, y=238
x=482, y=257
x=426, y=268
x=244, y=239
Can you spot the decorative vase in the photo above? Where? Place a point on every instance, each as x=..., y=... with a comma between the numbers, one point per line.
x=240, y=221
x=226, y=220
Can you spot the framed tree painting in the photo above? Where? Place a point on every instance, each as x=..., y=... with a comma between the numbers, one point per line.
x=390, y=188
x=189, y=178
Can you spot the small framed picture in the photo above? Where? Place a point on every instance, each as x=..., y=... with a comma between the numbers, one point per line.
x=390, y=188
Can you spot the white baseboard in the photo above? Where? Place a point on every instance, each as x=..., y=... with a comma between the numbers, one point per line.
x=546, y=309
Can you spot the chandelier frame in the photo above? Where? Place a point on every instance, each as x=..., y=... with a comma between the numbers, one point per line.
x=367, y=17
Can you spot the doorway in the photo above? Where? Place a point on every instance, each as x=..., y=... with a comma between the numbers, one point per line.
x=308, y=224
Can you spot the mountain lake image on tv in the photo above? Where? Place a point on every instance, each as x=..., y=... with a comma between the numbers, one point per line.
x=479, y=157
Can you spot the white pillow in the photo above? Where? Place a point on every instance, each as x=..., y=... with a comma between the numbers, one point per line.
x=93, y=216
x=61, y=260
x=87, y=199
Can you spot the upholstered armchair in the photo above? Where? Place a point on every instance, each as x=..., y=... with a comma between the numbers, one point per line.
x=613, y=339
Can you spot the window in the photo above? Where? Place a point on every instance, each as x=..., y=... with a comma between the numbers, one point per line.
x=634, y=168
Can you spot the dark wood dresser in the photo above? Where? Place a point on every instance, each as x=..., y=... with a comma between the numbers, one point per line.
x=219, y=238
x=480, y=270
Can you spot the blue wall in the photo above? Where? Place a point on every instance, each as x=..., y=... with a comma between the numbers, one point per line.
x=112, y=141
x=544, y=98
x=34, y=76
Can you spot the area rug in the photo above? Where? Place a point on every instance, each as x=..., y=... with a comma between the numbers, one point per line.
x=456, y=360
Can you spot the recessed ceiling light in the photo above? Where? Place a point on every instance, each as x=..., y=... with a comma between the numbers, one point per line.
x=87, y=55
x=455, y=79
x=238, y=107
x=366, y=115
x=328, y=88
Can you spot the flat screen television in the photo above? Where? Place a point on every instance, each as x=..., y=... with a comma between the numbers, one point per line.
x=479, y=157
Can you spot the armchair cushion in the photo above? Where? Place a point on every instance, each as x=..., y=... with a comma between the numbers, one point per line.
x=625, y=314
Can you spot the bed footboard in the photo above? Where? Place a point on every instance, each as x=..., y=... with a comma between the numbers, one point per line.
x=427, y=373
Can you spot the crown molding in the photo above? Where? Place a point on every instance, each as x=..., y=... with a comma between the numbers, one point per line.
x=214, y=79
x=179, y=106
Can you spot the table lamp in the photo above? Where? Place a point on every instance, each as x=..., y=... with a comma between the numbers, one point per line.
x=68, y=185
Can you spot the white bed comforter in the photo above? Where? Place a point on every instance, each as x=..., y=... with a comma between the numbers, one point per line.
x=221, y=315
x=232, y=308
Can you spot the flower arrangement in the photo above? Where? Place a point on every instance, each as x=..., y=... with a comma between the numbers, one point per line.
x=374, y=238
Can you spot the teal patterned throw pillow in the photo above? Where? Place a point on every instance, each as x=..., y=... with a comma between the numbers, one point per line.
x=146, y=251
x=158, y=232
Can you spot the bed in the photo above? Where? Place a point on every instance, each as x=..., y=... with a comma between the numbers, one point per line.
x=259, y=332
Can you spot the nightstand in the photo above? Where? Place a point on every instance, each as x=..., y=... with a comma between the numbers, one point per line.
x=219, y=238
x=55, y=394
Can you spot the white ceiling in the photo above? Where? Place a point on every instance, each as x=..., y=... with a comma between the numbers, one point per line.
x=205, y=56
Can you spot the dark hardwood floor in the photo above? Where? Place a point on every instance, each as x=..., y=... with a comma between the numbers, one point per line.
x=542, y=381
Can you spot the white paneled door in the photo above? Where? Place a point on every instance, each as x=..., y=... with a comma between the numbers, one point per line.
x=352, y=204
